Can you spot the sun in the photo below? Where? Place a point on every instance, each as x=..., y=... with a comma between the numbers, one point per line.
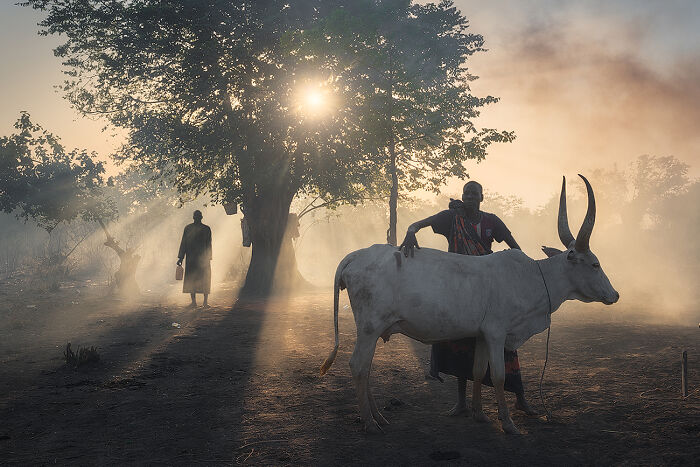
x=314, y=100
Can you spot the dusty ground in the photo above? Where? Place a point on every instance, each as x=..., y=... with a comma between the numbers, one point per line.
x=241, y=385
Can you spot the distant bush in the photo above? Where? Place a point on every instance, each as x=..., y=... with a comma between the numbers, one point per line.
x=51, y=270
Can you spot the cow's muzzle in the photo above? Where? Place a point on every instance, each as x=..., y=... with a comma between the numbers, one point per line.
x=611, y=299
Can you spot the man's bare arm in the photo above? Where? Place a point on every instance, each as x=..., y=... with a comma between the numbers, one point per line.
x=410, y=242
x=416, y=226
x=510, y=241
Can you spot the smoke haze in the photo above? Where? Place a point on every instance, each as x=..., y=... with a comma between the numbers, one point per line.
x=586, y=86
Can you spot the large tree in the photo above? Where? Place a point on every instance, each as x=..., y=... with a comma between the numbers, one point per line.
x=409, y=61
x=208, y=92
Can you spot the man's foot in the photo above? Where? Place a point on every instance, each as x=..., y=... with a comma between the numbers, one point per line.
x=192, y=305
x=206, y=305
x=479, y=416
x=522, y=405
x=460, y=408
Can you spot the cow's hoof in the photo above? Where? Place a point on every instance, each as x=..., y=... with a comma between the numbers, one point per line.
x=457, y=410
x=480, y=417
x=373, y=428
x=510, y=428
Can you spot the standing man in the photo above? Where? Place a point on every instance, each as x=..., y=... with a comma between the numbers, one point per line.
x=469, y=231
x=196, y=246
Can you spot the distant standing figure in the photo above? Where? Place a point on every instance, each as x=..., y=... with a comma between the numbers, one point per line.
x=196, y=247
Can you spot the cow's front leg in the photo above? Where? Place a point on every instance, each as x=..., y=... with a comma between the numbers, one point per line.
x=498, y=376
x=481, y=356
x=360, y=364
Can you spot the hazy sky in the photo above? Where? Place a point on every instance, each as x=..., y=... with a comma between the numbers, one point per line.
x=584, y=84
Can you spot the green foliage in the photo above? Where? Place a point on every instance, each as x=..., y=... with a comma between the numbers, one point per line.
x=405, y=65
x=39, y=180
x=207, y=93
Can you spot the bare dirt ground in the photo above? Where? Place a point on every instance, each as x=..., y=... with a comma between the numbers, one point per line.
x=240, y=386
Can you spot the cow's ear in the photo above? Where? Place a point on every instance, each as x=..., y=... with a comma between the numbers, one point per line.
x=571, y=256
x=549, y=251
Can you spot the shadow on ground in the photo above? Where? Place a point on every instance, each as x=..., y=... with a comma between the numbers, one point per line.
x=241, y=386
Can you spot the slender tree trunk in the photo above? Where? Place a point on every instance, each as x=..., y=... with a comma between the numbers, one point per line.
x=391, y=143
x=394, y=196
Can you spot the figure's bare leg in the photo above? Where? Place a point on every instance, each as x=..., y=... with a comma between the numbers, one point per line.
x=206, y=300
x=480, y=364
x=376, y=414
x=460, y=407
x=194, y=299
x=522, y=404
x=360, y=363
x=498, y=376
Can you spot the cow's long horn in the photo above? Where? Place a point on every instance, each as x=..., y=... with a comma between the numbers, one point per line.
x=584, y=234
x=563, y=222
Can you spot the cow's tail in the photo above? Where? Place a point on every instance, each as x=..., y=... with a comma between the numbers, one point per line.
x=338, y=285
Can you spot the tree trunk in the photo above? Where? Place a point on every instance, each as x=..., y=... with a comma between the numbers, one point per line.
x=393, y=197
x=125, y=277
x=287, y=276
x=273, y=263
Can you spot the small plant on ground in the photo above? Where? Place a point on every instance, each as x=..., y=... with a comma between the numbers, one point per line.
x=81, y=357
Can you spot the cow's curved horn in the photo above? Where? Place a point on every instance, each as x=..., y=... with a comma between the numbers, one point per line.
x=584, y=234
x=563, y=222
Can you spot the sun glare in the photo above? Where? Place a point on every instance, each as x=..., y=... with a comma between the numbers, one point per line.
x=314, y=101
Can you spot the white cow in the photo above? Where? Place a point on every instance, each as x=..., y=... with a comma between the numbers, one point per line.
x=502, y=299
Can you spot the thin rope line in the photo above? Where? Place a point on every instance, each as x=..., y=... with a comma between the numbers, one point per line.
x=546, y=355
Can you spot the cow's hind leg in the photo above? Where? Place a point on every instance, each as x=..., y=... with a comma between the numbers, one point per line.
x=360, y=364
x=376, y=414
x=479, y=371
x=498, y=376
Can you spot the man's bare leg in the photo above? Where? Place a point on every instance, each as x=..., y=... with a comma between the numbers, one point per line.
x=460, y=407
x=206, y=298
x=194, y=300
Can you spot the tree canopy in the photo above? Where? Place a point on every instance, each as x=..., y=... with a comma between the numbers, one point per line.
x=40, y=180
x=209, y=92
x=408, y=62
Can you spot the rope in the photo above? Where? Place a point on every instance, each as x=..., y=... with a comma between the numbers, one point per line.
x=546, y=357
x=669, y=398
x=546, y=354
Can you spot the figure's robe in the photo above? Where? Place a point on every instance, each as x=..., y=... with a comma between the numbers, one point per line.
x=195, y=248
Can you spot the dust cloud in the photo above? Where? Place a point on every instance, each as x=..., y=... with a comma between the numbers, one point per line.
x=645, y=236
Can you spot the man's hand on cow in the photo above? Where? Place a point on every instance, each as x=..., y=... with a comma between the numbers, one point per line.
x=409, y=243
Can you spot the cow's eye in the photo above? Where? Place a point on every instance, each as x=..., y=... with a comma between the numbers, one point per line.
x=596, y=265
